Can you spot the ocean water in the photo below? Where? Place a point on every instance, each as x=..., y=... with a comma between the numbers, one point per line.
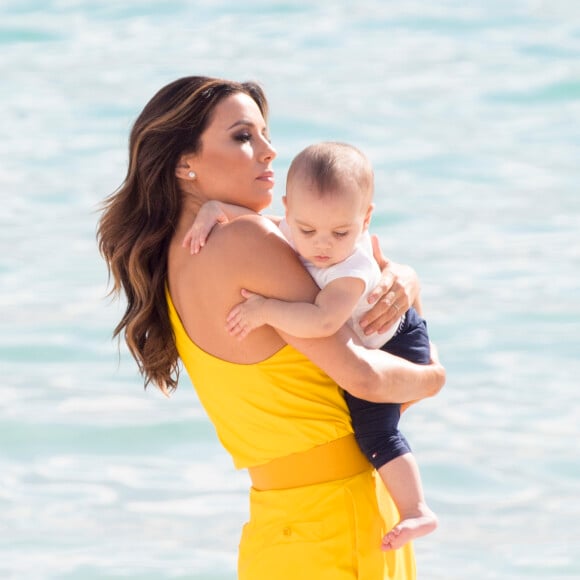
x=470, y=113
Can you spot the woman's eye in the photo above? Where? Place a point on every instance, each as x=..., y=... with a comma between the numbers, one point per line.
x=243, y=137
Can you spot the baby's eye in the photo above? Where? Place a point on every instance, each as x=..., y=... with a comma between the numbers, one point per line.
x=243, y=137
x=306, y=232
x=340, y=234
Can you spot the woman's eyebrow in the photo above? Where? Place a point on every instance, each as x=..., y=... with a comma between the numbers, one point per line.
x=244, y=122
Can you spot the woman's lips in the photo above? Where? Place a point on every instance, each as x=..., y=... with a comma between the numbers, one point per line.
x=266, y=176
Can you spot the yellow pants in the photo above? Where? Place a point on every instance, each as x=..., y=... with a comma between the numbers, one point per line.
x=328, y=531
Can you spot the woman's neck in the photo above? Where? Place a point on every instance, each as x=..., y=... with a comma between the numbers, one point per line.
x=189, y=210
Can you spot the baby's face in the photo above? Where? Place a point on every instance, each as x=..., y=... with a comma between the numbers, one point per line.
x=325, y=229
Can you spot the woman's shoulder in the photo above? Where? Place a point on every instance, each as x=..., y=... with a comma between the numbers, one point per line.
x=260, y=258
x=251, y=226
x=252, y=236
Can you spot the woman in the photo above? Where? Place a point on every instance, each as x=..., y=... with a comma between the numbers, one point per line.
x=275, y=400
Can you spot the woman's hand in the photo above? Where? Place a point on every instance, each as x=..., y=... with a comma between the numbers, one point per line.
x=394, y=295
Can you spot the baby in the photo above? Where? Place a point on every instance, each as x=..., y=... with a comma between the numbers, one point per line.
x=328, y=203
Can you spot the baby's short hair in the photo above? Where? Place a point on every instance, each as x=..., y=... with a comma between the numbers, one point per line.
x=331, y=166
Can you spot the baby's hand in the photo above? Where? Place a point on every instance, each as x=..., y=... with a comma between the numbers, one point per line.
x=246, y=316
x=210, y=214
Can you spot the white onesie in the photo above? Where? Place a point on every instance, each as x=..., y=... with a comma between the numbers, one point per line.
x=360, y=264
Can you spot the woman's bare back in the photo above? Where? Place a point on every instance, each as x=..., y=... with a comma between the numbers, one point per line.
x=204, y=287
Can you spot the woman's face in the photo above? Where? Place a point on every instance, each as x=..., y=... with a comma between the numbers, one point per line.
x=234, y=163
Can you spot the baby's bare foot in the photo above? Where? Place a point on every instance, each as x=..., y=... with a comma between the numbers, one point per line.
x=409, y=529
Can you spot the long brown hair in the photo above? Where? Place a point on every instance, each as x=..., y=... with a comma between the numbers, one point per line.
x=140, y=217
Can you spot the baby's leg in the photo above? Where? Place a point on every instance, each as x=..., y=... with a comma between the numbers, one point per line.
x=402, y=478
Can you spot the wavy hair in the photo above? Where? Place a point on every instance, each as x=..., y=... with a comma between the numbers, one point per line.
x=139, y=218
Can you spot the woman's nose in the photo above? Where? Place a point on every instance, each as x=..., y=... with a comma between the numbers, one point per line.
x=269, y=153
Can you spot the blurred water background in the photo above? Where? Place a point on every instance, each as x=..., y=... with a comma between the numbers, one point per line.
x=470, y=113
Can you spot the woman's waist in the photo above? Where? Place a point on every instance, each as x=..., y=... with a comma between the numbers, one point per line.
x=334, y=460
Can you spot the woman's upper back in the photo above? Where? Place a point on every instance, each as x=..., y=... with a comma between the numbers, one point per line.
x=246, y=253
x=265, y=398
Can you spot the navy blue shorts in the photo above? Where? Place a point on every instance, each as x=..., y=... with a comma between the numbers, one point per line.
x=376, y=425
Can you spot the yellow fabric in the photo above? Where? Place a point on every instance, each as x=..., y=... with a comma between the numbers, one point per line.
x=329, y=531
x=334, y=460
x=266, y=410
x=274, y=408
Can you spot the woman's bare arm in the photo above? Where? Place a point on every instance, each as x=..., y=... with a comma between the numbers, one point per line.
x=268, y=266
x=368, y=374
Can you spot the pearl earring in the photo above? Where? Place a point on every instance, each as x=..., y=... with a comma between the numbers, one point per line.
x=192, y=175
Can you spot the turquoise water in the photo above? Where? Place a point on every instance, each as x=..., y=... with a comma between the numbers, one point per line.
x=470, y=112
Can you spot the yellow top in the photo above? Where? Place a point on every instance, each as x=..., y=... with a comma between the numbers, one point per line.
x=262, y=411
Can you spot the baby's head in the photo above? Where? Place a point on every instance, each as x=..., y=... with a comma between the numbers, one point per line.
x=329, y=191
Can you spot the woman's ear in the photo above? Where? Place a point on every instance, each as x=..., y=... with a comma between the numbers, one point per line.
x=184, y=168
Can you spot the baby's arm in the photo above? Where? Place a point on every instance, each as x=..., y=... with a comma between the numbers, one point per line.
x=333, y=306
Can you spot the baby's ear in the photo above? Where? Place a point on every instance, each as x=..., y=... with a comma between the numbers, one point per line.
x=368, y=215
x=285, y=202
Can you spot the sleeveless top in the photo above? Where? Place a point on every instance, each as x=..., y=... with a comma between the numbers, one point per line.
x=265, y=410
